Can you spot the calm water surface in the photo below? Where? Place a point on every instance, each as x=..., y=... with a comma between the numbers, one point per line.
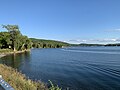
x=76, y=68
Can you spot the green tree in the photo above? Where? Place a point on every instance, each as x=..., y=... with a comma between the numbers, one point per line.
x=14, y=39
x=14, y=35
x=5, y=41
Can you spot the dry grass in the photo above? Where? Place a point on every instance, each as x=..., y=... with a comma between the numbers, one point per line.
x=18, y=81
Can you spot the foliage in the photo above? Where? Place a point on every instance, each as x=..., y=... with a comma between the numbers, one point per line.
x=14, y=34
x=5, y=40
x=13, y=39
x=41, y=43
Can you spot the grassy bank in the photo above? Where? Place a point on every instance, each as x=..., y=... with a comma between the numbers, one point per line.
x=18, y=81
x=5, y=51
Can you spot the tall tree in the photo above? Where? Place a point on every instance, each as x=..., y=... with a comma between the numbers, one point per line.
x=14, y=34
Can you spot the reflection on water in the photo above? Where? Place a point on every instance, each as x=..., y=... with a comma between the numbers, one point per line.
x=15, y=60
x=79, y=68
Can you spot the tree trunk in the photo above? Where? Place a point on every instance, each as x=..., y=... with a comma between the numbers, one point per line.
x=14, y=49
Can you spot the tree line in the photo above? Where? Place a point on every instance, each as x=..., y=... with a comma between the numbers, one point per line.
x=13, y=39
x=41, y=43
x=88, y=45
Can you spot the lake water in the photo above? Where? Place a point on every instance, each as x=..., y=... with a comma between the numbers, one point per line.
x=76, y=68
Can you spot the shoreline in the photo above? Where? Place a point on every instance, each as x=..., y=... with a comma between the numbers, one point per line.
x=19, y=81
x=2, y=55
x=16, y=52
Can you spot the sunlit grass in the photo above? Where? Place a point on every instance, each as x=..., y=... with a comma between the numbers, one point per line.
x=18, y=81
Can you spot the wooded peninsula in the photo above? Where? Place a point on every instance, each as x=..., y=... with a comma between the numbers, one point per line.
x=12, y=39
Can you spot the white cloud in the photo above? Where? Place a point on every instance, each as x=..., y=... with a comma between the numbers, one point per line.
x=100, y=41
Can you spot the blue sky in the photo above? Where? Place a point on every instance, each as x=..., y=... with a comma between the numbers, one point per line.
x=73, y=21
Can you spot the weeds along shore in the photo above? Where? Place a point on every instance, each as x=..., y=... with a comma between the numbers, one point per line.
x=19, y=81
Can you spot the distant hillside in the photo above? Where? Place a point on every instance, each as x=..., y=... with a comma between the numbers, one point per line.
x=84, y=44
x=41, y=43
x=117, y=44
